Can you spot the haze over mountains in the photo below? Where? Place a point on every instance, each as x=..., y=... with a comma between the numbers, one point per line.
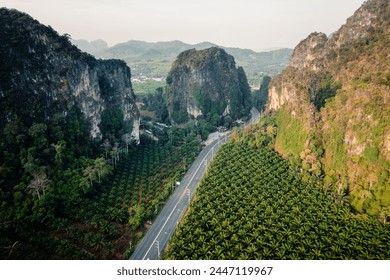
x=154, y=60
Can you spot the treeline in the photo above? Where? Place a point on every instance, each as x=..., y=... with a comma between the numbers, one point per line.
x=65, y=196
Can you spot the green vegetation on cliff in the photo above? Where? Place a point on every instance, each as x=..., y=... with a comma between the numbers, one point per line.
x=292, y=135
x=205, y=88
x=333, y=109
x=206, y=85
x=354, y=150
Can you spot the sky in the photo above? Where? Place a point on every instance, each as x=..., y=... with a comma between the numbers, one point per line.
x=253, y=24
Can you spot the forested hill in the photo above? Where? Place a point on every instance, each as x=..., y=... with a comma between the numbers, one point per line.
x=58, y=105
x=49, y=74
x=333, y=108
x=52, y=93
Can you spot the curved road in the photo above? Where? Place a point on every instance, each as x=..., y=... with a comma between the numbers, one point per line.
x=164, y=226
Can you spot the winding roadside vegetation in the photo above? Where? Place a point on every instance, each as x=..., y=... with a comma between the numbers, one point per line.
x=251, y=205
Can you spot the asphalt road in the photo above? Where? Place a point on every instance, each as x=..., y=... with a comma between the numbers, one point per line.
x=157, y=237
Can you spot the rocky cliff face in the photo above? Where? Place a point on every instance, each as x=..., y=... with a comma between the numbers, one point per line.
x=41, y=69
x=317, y=51
x=308, y=51
x=333, y=107
x=207, y=82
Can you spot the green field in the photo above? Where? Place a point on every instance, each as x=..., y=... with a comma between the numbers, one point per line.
x=147, y=87
x=252, y=206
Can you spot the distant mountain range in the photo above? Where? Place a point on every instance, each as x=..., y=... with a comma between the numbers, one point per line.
x=92, y=47
x=154, y=60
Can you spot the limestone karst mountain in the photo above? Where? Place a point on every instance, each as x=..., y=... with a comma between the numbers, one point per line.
x=48, y=75
x=207, y=83
x=333, y=104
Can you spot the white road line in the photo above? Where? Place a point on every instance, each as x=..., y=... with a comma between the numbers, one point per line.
x=181, y=197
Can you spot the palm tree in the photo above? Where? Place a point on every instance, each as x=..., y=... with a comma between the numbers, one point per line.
x=342, y=197
x=97, y=241
x=384, y=214
x=204, y=250
x=10, y=249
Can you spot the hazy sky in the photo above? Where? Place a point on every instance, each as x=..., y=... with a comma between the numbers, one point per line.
x=255, y=24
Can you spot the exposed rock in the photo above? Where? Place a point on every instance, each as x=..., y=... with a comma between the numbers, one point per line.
x=314, y=51
x=317, y=53
x=308, y=51
x=207, y=81
x=38, y=64
x=364, y=21
x=335, y=96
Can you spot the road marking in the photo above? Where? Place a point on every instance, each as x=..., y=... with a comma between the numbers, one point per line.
x=181, y=197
